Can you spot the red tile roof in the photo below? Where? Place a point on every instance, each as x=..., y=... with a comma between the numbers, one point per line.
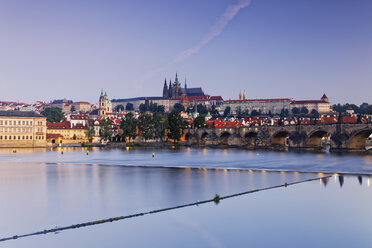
x=59, y=125
x=308, y=101
x=202, y=98
x=81, y=103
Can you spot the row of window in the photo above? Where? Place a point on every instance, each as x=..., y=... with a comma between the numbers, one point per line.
x=10, y=137
x=12, y=122
x=19, y=123
x=17, y=130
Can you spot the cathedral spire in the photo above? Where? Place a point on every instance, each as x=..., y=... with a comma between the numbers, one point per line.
x=176, y=79
x=165, y=88
x=185, y=83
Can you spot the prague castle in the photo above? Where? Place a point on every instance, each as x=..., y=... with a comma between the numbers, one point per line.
x=175, y=91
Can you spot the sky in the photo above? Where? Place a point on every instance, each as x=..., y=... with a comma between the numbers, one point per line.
x=297, y=49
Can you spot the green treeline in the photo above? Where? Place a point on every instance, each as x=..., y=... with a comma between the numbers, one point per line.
x=153, y=126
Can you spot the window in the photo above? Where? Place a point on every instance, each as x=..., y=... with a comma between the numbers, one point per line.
x=14, y=137
x=19, y=122
x=19, y=137
x=1, y=122
x=23, y=137
x=5, y=122
x=10, y=137
x=23, y=122
x=1, y=137
x=5, y=137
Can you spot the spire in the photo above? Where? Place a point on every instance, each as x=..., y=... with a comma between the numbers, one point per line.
x=185, y=83
x=244, y=96
x=165, y=89
x=240, y=95
x=176, y=80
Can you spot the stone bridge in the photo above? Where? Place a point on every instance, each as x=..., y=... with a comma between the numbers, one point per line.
x=343, y=137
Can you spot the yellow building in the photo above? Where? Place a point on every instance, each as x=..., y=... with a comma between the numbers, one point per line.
x=22, y=129
x=63, y=132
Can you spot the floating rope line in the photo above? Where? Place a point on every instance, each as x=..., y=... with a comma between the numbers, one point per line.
x=216, y=199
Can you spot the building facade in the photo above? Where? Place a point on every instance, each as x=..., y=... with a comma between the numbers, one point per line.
x=22, y=129
x=322, y=106
x=67, y=133
x=105, y=105
x=262, y=106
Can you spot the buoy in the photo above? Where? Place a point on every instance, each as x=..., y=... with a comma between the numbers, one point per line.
x=153, y=154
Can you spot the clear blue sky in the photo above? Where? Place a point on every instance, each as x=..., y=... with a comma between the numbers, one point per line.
x=271, y=48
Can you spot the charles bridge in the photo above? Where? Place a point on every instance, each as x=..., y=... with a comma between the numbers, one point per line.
x=342, y=136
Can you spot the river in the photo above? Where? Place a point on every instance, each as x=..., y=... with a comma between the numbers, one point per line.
x=43, y=188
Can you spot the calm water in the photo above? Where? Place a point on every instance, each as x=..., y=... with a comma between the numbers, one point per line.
x=40, y=189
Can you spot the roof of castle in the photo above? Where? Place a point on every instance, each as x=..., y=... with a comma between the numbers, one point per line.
x=14, y=113
x=143, y=98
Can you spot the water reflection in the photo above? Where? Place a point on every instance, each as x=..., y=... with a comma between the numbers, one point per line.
x=63, y=193
x=360, y=179
x=341, y=180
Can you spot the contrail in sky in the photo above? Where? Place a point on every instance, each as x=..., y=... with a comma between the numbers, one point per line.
x=229, y=14
x=215, y=30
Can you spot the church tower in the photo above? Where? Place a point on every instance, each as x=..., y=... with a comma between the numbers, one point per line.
x=105, y=105
x=165, y=89
x=176, y=88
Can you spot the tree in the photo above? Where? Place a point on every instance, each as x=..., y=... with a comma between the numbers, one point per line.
x=200, y=121
x=129, y=107
x=146, y=126
x=142, y=108
x=202, y=109
x=106, y=129
x=72, y=109
x=91, y=132
x=119, y=108
x=179, y=107
x=160, y=125
x=295, y=111
x=284, y=113
x=53, y=114
x=314, y=113
x=160, y=109
x=239, y=112
x=214, y=112
x=304, y=110
x=176, y=125
x=227, y=111
x=255, y=113
x=129, y=126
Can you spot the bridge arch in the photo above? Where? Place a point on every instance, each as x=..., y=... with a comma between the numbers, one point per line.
x=249, y=139
x=224, y=138
x=188, y=136
x=358, y=138
x=315, y=138
x=280, y=138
